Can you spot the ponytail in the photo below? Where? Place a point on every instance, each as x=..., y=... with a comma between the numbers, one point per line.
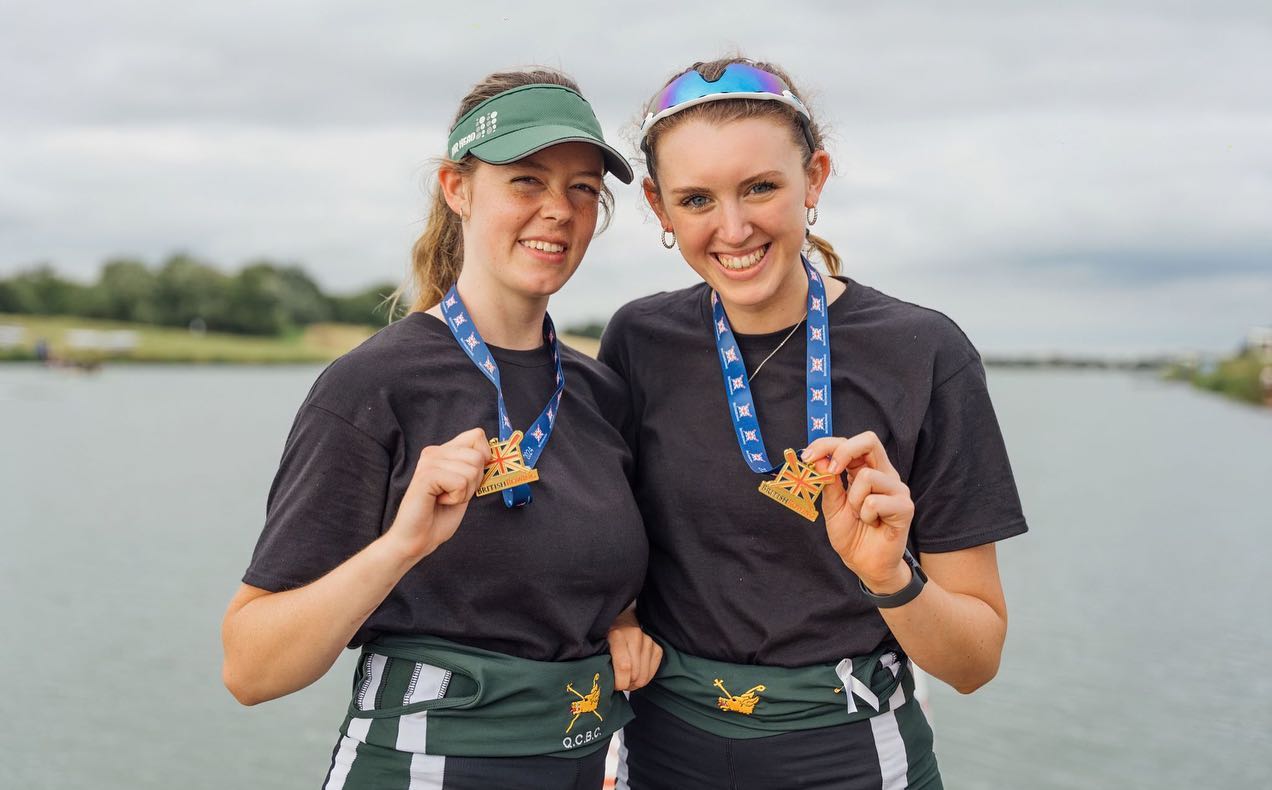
x=438, y=254
x=826, y=252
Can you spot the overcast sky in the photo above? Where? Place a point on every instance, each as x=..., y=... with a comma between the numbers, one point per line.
x=1079, y=176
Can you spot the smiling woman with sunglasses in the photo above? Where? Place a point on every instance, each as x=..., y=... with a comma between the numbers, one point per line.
x=800, y=441
x=443, y=503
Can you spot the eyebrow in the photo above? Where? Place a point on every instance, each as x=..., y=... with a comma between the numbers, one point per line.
x=531, y=164
x=766, y=175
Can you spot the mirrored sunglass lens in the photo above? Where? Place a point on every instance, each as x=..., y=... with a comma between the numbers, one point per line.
x=737, y=78
x=686, y=86
x=745, y=78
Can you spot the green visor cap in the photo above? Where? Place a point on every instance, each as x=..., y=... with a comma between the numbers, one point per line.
x=521, y=121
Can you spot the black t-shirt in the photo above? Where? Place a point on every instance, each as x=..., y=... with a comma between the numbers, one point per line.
x=542, y=582
x=734, y=576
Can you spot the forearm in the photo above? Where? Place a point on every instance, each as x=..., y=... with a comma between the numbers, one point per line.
x=955, y=636
x=277, y=643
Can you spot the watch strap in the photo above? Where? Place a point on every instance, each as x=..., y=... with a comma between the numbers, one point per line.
x=904, y=595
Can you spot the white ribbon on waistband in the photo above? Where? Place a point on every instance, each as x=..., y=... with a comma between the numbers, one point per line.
x=852, y=684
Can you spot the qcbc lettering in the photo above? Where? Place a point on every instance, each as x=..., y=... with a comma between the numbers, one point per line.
x=582, y=739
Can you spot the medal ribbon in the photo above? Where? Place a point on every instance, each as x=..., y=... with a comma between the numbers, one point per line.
x=737, y=387
x=536, y=437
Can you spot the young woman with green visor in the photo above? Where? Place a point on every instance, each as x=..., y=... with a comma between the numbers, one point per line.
x=454, y=496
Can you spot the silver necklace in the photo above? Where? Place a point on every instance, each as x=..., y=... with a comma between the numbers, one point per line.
x=751, y=376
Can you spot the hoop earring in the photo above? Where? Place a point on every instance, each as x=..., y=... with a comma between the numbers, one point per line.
x=664, y=241
x=811, y=215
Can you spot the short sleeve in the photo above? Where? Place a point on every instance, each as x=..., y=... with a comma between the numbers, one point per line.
x=613, y=354
x=326, y=504
x=611, y=351
x=961, y=481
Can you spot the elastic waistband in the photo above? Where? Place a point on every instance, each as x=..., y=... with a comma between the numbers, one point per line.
x=430, y=696
x=752, y=701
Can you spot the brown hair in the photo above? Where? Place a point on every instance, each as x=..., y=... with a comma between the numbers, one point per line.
x=438, y=254
x=727, y=110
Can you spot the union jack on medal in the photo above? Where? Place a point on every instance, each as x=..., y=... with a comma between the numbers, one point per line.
x=506, y=467
x=796, y=486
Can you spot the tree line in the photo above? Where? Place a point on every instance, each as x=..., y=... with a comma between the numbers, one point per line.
x=262, y=298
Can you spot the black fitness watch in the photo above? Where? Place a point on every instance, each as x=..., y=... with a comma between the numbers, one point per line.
x=904, y=595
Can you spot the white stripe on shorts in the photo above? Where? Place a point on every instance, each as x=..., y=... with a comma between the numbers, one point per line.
x=371, y=682
x=428, y=772
x=893, y=764
x=429, y=682
x=341, y=764
x=620, y=770
x=373, y=674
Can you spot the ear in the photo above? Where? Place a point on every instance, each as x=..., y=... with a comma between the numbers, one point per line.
x=454, y=190
x=654, y=198
x=818, y=172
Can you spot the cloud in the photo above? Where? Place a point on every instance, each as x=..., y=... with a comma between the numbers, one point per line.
x=343, y=202
x=1140, y=197
x=1083, y=149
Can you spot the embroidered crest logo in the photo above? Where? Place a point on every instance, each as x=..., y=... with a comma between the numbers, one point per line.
x=797, y=486
x=744, y=703
x=506, y=468
x=585, y=704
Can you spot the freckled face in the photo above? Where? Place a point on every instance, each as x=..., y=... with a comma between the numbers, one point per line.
x=735, y=194
x=529, y=222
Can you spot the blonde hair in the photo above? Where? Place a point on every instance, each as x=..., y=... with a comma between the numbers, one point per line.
x=727, y=110
x=438, y=254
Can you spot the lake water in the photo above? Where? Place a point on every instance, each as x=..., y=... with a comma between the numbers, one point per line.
x=1139, y=653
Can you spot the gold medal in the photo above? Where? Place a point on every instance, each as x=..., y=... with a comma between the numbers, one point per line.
x=797, y=486
x=506, y=468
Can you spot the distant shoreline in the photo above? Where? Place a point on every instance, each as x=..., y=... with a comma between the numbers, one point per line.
x=1077, y=362
x=82, y=343
x=73, y=341
x=90, y=343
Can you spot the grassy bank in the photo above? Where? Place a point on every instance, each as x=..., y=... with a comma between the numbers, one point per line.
x=1236, y=377
x=316, y=343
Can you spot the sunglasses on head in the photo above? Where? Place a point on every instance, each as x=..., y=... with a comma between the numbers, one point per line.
x=738, y=81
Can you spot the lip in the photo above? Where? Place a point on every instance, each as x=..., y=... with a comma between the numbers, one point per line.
x=750, y=272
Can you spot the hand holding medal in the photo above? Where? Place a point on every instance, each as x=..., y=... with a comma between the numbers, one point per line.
x=510, y=466
x=869, y=521
x=445, y=479
x=797, y=484
x=506, y=467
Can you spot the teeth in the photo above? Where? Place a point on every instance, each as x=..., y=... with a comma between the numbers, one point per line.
x=544, y=246
x=744, y=262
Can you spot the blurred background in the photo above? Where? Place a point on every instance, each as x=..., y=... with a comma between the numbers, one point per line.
x=1085, y=187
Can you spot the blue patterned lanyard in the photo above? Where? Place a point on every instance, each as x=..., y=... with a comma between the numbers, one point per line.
x=536, y=438
x=737, y=387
